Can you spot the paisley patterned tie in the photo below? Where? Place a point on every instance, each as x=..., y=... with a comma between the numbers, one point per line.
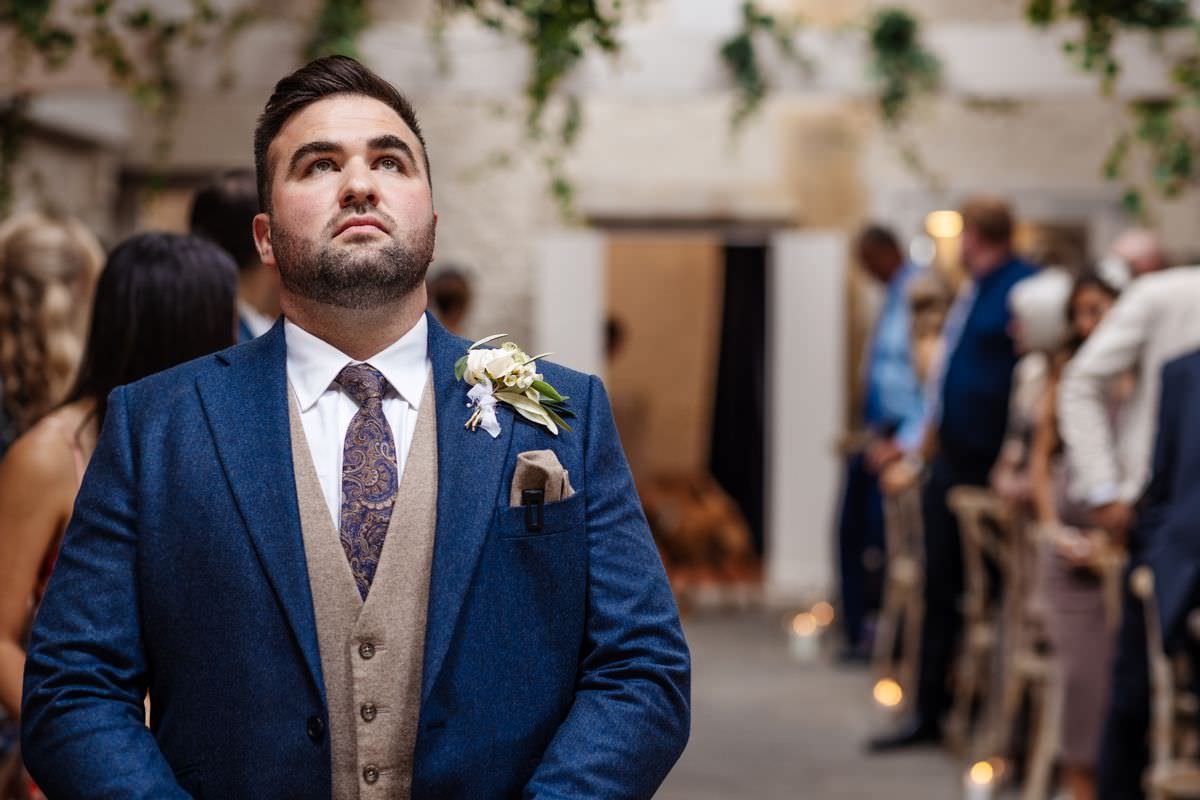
x=369, y=475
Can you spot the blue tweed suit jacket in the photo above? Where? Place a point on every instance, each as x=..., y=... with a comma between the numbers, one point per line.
x=555, y=666
x=1168, y=529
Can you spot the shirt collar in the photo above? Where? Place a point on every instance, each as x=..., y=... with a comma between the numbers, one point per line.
x=313, y=363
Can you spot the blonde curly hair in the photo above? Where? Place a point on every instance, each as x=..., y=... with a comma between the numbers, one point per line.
x=48, y=270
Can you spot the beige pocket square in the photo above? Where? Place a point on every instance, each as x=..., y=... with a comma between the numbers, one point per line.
x=540, y=469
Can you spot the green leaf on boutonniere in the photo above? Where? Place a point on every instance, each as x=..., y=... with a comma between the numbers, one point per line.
x=557, y=419
x=460, y=368
x=547, y=391
x=531, y=410
x=487, y=339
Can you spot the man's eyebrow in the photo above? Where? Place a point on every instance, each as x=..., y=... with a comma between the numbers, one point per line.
x=312, y=147
x=392, y=142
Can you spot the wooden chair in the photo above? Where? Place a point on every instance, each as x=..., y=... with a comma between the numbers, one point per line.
x=1174, y=774
x=1004, y=660
x=983, y=522
x=898, y=629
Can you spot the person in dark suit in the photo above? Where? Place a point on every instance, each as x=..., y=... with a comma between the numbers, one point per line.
x=328, y=585
x=223, y=212
x=1164, y=537
x=965, y=431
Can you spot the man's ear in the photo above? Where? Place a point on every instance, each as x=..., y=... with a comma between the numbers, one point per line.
x=262, y=239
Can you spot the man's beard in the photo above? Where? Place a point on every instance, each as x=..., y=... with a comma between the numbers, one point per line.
x=358, y=278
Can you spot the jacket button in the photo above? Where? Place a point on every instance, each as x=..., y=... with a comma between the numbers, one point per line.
x=366, y=650
x=316, y=728
x=368, y=711
x=370, y=773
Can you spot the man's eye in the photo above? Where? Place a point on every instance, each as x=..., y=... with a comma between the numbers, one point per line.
x=389, y=163
x=323, y=165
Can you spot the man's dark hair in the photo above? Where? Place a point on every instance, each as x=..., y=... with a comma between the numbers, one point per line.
x=223, y=212
x=878, y=236
x=315, y=81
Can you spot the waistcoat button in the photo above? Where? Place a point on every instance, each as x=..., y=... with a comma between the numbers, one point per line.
x=368, y=711
x=370, y=773
x=366, y=650
x=316, y=728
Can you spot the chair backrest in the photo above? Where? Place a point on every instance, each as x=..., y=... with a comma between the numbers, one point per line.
x=1162, y=688
x=985, y=522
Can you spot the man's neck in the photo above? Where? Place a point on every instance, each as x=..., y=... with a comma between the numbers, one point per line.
x=357, y=333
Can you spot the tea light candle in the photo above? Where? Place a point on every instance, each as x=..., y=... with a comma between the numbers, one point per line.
x=979, y=783
x=803, y=638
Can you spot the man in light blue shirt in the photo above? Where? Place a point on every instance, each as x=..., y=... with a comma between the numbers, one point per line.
x=893, y=412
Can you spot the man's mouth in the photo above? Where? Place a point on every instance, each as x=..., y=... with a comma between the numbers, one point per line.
x=358, y=225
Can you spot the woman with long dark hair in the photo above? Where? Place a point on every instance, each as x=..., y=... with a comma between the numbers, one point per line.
x=162, y=299
x=1079, y=626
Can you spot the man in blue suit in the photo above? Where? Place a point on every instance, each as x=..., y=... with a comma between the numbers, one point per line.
x=325, y=583
x=966, y=428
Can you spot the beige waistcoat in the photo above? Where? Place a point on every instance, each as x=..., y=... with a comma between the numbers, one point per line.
x=371, y=652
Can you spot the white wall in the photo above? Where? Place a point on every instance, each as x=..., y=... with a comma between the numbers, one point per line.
x=806, y=364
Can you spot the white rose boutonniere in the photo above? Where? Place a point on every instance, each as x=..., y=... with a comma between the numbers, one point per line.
x=508, y=375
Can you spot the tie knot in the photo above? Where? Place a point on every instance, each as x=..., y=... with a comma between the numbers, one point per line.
x=362, y=382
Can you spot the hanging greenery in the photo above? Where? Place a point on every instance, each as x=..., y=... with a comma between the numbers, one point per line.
x=739, y=54
x=1156, y=130
x=558, y=35
x=902, y=69
x=338, y=26
x=1102, y=21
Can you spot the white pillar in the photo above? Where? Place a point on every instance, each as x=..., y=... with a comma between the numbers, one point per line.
x=569, y=299
x=805, y=395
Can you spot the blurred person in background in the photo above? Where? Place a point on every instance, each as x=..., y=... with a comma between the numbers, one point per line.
x=1134, y=253
x=893, y=413
x=1078, y=620
x=162, y=299
x=1156, y=320
x=450, y=298
x=964, y=431
x=223, y=212
x=1040, y=329
x=48, y=269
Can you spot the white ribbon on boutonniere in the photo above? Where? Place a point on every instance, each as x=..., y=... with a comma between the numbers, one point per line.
x=508, y=375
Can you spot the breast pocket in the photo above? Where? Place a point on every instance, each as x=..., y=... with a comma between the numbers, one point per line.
x=565, y=515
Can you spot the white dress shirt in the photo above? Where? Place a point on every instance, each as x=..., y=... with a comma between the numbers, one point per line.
x=326, y=409
x=1155, y=320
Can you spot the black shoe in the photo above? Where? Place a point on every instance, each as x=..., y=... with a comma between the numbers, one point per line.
x=914, y=733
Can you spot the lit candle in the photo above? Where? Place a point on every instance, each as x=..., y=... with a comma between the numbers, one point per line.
x=979, y=783
x=802, y=639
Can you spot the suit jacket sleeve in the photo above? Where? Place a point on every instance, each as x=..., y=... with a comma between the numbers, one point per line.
x=1083, y=418
x=630, y=718
x=82, y=721
x=1157, y=498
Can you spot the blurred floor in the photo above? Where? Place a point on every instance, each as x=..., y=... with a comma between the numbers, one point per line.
x=767, y=727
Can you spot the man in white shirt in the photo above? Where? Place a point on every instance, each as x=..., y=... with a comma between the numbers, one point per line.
x=1156, y=320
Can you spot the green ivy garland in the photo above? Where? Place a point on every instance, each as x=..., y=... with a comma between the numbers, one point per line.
x=739, y=54
x=901, y=67
x=558, y=34
x=1156, y=126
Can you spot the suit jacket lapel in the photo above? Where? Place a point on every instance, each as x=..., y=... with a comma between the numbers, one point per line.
x=471, y=468
x=246, y=405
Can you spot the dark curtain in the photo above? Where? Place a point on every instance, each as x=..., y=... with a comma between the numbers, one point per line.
x=739, y=414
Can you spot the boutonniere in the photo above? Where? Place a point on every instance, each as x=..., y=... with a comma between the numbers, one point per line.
x=508, y=375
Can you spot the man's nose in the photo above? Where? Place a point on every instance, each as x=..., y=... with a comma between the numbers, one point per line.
x=358, y=187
